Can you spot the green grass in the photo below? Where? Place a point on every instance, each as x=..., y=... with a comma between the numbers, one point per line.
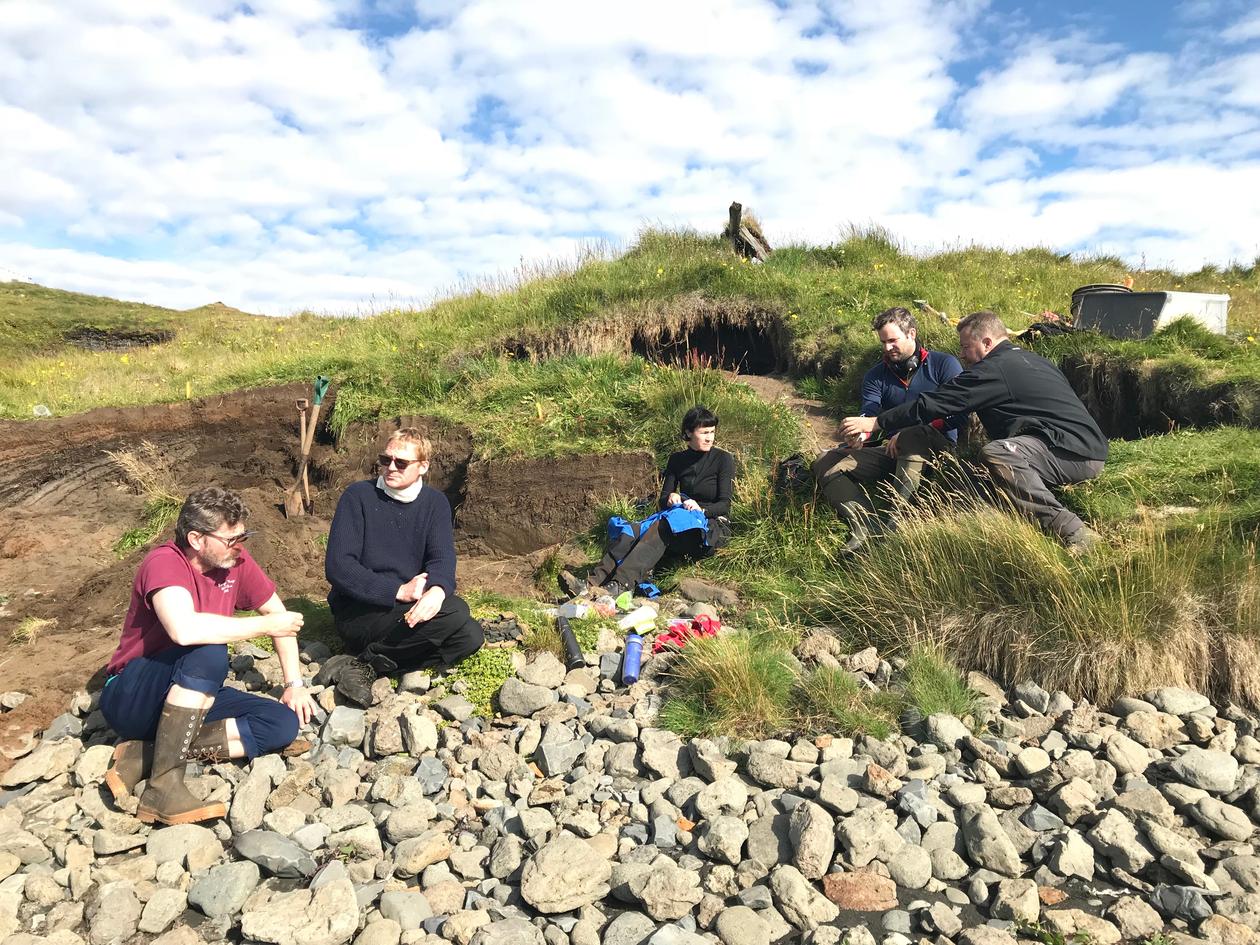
x=933, y=684
x=484, y=673
x=159, y=514
x=832, y=701
x=822, y=297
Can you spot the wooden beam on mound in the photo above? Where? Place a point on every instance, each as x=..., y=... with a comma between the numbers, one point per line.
x=743, y=240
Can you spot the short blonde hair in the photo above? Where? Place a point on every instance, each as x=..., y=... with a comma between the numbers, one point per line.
x=413, y=437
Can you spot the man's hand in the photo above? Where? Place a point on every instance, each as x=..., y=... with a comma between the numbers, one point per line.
x=852, y=426
x=691, y=505
x=413, y=589
x=891, y=446
x=426, y=607
x=299, y=699
x=673, y=499
x=284, y=623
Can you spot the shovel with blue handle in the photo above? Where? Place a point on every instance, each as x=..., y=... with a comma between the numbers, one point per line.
x=297, y=501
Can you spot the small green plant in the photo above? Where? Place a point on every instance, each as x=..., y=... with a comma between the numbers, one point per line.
x=933, y=684
x=1039, y=933
x=484, y=673
x=832, y=700
x=29, y=629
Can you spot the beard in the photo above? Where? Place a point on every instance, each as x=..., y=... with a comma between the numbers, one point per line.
x=225, y=560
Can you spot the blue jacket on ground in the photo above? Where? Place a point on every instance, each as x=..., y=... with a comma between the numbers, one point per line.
x=377, y=544
x=882, y=389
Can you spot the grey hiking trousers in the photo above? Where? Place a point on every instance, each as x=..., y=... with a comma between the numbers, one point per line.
x=1025, y=467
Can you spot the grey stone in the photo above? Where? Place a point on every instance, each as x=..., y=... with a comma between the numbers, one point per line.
x=709, y=761
x=611, y=728
x=414, y=854
x=723, y=838
x=945, y=731
x=419, y=733
x=565, y=874
x=543, y=670
x=176, y=844
x=275, y=853
x=1016, y=899
x=163, y=908
x=988, y=844
x=1115, y=837
x=813, y=839
x=328, y=915
x=911, y=867
x=1039, y=818
x=1208, y=770
x=431, y=775
x=48, y=760
x=1176, y=701
x=869, y=834
x=117, y=916
x=517, y=697
x=739, y=925
x=345, y=725
x=1126, y=755
x=510, y=931
x=798, y=901
x=221, y=892
x=664, y=753
x=456, y=708
x=629, y=928
x=1221, y=819
x=408, y=907
x=1180, y=902
x=667, y=891
x=559, y=759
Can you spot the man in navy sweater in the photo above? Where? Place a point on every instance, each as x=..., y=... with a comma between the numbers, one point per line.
x=849, y=474
x=391, y=564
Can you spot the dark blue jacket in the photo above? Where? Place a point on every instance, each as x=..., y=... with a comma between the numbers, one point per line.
x=882, y=389
x=377, y=544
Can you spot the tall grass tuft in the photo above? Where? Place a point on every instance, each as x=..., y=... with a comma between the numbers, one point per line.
x=991, y=592
x=832, y=700
x=149, y=473
x=934, y=684
x=732, y=683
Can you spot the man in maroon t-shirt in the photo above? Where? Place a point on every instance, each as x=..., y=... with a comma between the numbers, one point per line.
x=164, y=694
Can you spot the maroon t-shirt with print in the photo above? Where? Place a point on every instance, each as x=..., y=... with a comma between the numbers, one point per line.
x=221, y=591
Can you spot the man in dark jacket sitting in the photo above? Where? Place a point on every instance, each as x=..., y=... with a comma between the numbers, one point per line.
x=391, y=564
x=1040, y=434
x=848, y=474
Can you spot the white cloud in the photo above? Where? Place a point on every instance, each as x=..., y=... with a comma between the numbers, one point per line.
x=276, y=158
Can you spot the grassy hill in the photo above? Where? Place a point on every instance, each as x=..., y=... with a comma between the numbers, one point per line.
x=544, y=367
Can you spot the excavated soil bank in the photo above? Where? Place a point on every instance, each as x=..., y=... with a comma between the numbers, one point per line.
x=731, y=334
x=115, y=339
x=1132, y=400
x=64, y=504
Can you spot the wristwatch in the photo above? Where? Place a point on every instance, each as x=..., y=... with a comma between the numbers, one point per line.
x=294, y=683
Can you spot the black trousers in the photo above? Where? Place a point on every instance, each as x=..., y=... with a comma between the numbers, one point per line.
x=381, y=638
x=1025, y=467
x=639, y=557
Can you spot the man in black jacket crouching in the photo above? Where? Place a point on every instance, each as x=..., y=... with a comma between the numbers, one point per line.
x=1040, y=434
x=391, y=564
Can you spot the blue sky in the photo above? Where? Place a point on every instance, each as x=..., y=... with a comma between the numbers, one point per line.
x=345, y=155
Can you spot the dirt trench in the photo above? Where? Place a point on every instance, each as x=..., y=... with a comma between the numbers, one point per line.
x=731, y=334
x=64, y=504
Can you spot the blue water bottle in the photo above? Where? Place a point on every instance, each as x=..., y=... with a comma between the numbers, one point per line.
x=631, y=659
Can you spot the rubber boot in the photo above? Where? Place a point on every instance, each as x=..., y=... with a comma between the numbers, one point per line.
x=863, y=526
x=130, y=765
x=166, y=798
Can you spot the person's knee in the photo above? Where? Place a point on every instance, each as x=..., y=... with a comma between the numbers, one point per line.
x=204, y=668
x=274, y=726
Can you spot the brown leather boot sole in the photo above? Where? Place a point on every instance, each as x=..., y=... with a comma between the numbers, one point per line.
x=212, y=811
x=124, y=762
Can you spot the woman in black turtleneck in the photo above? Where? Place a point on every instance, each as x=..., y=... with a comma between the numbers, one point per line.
x=697, y=478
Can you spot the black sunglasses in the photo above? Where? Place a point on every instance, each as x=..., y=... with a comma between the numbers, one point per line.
x=385, y=461
x=234, y=540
